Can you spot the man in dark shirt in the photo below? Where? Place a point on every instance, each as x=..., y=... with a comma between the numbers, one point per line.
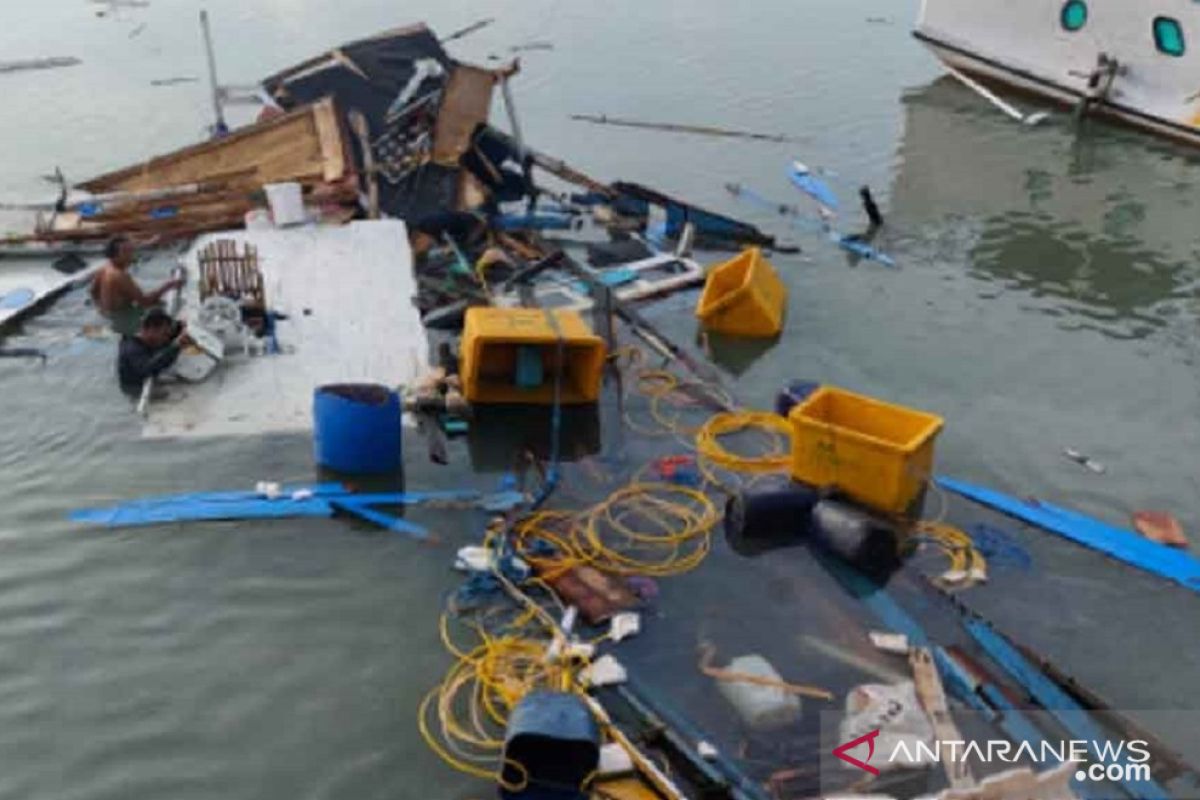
x=147, y=353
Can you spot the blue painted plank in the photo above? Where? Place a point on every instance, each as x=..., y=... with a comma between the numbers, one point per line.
x=136, y=515
x=1123, y=545
x=209, y=506
x=1049, y=695
x=813, y=186
x=388, y=522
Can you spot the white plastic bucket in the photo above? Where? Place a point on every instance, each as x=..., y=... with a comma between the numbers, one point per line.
x=287, y=203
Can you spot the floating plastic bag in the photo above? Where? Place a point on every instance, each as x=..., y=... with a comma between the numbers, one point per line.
x=905, y=733
x=763, y=707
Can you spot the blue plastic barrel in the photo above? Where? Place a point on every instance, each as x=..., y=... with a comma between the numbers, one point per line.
x=356, y=428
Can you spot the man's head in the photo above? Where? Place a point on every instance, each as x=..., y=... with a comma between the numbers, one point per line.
x=119, y=250
x=157, y=328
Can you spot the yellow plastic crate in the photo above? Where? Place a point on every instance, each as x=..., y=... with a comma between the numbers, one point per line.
x=877, y=453
x=497, y=344
x=743, y=297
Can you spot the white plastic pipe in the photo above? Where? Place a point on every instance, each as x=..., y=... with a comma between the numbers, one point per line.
x=993, y=98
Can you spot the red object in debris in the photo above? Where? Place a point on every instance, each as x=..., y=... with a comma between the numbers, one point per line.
x=1161, y=527
x=269, y=112
x=667, y=466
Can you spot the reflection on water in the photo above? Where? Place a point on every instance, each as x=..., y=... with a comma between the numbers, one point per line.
x=1089, y=225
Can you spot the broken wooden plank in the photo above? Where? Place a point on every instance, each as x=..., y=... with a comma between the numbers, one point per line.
x=303, y=144
x=38, y=63
x=669, y=127
x=933, y=698
x=466, y=104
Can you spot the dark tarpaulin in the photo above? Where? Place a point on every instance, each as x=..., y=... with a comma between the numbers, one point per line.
x=430, y=189
x=367, y=76
x=386, y=59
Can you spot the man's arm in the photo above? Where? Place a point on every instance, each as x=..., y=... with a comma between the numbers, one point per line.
x=95, y=288
x=128, y=290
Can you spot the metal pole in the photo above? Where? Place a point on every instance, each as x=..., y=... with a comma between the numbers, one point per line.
x=511, y=108
x=526, y=167
x=220, y=126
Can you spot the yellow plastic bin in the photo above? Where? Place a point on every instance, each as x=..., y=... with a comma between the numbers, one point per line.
x=877, y=453
x=510, y=355
x=743, y=297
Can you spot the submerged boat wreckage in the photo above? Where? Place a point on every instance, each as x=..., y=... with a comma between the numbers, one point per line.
x=372, y=261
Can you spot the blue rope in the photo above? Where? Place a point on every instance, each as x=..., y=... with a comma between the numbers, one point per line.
x=551, y=482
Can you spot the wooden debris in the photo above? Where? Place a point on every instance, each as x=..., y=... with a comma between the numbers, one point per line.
x=708, y=652
x=466, y=104
x=305, y=144
x=227, y=272
x=668, y=127
x=38, y=63
x=598, y=596
x=1161, y=527
x=358, y=122
x=467, y=31
x=174, y=81
x=933, y=699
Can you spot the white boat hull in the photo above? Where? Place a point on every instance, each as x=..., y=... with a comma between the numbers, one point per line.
x=1024, y=45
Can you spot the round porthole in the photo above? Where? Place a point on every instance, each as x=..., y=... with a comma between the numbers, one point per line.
x=1074, y=15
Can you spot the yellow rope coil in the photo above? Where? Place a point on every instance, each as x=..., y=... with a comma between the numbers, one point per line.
x=967, y=564
x=777, y=458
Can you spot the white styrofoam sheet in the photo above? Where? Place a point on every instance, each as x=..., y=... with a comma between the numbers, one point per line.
x=356, y=283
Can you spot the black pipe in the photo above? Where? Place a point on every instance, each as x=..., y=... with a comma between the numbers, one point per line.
x=868, y=203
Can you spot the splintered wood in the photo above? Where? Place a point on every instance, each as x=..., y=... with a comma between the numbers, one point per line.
x=933, y=698
x=227, y=273
x=213, y=185
x=466, y=105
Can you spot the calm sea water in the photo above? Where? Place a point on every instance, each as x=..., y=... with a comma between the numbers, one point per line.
x=1046, y=297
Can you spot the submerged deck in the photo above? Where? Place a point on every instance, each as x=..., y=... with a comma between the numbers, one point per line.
x=347, y=292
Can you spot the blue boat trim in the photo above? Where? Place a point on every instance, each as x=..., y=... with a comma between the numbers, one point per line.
x=1123, y=545
x=1062, y=706
x=989, y=699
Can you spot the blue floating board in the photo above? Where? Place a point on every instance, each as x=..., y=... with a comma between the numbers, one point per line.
x=1124, y=545
x=325, y=499
x=135, y=515
x=862, y=249
x=814, y=187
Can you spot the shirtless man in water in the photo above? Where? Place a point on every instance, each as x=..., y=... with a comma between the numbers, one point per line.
x=117, y=295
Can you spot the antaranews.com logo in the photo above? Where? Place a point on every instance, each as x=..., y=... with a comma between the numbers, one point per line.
x=1115, y=762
